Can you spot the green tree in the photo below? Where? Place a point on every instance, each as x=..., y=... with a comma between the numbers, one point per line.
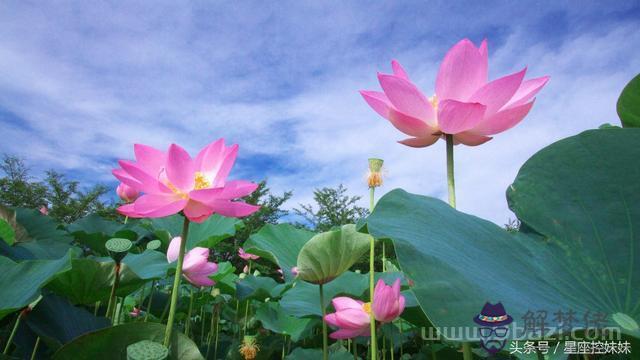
x=333, y=208
x=64, y=198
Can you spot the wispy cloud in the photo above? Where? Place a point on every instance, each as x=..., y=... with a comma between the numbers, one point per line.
x=79, y=84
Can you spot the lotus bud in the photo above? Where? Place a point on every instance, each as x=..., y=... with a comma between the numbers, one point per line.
x=44, y=210
x=127, y=193
x=374, y=176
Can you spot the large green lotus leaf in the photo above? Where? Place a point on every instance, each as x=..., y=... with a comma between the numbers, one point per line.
x=304, y=298
x=272, y=317
x=568, y=196
x=111, y=343
x=331, y=253
x=583, y=194
x=90, y=279
x=36, y=235
x=94, y=231
x=21, y=282
x=279, y=244
x=258, y=288
x=629, y=104
x=206, y=234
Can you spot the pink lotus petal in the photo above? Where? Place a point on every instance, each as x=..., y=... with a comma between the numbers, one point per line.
x=226, y=164
x=455, y=116
x=470, y=139
x=180, y=168
x=526, y=91
x=484, y=54
x=420, y=142
x=206, y=268
x=342, y=303
x=462, y=72
x=409, y=125
x=193, y=261
x=167, y=209
x=128, y=210
x=352, y=318
x=174, y=249
x=503, y=120
x=209, y=158
x=378, y=102
x=398, y=70
x=127, y=179
x=497, y=93
x=199, y=280
x=196, y=211
x=148, y=183
x=149, y=159
x=331, y=319
x=233, y=208
x=406, y=97
x=232, y=190
x=346, y=334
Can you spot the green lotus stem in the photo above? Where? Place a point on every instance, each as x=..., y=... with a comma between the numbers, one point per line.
x=112, y=296
x=215, y=347
x=451, y=183
x=325, y=341
x=95, y=309
x=284, y=343
x=166, y=309
x=355, y=350
x=187, y=324
x=146, y=316
x=117, y=311
x=35, y=348
x=392, y=347
x=125, y=219
x=202, y=319
x=384, y=347
x=466, y=351
x=13, y=333
x=176, y=283
x=246, y=308
x=384, y=256
x=372, y=255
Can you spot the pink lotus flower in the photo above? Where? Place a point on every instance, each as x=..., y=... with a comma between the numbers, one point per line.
x=465, y=103
x=246, y=256
x=127, y=193
x=196, y=267
x=352, y=317
x=44, y=210
x=174, y=182
x=294, y=271
x=245, y=269
x=135, y=312
x=388, y=304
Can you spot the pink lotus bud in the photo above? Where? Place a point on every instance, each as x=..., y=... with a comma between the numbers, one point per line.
x=196, y=267
x=127, y=193
x=294, y=271
x=352, y=318
x=246, y=256
x=135, y=312
x=388, y=304
x=44, y=210
x=245, y=269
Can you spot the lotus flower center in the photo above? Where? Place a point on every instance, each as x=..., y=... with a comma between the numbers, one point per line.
x=201, y=181
x=434, y=102
x=367, y=308
x=176, y=190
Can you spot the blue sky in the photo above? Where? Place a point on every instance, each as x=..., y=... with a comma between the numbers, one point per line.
x=80, y=82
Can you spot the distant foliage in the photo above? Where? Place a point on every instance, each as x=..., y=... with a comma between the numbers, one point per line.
x=64, y=199
x=333, y=208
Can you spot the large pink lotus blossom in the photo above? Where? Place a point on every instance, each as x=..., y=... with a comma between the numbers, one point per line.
x=174, y=182
x=465, y=103
x=196, y=267
x=388, y=304
x=126, y=193
x=246, y=256
x=352, y=318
